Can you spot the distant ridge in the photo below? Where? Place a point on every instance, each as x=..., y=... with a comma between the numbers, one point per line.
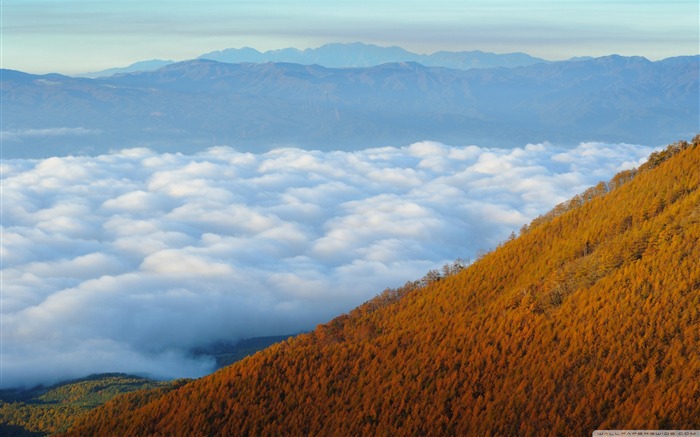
x=48, y=410
x=151, y=65
x=368, y=55
x=586, y=321
x=192, y=105
x=344, y=55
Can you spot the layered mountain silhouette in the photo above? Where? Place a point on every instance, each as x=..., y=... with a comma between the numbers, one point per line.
x=345, y=55
x=150, y=65
x=193, y=105
x=588, y=320
x=368, y=55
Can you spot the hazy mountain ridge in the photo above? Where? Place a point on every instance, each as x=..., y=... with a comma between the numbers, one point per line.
x=369, y=55
x=193, y=105
x=344, y=55
x=149, y=65
x=586, y=321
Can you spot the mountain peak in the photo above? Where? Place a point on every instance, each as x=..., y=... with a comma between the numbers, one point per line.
x=358, y=54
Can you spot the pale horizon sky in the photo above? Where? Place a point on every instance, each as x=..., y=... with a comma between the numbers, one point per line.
x=77, y=36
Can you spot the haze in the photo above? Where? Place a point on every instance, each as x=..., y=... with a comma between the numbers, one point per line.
x=76, y=36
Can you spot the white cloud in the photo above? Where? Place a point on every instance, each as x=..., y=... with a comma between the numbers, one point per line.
x=123, y=262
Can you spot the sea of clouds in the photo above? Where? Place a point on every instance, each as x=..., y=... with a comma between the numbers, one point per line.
x=126, y=261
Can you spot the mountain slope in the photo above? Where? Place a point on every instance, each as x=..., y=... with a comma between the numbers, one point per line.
x=190, y=106
x=149, y=65
x=586, y=321
x=47, y=410
x=343, y=55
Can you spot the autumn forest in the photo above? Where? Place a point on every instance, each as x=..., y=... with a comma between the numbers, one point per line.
x=587, y=320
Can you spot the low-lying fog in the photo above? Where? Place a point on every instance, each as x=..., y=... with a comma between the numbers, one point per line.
x=123, y=262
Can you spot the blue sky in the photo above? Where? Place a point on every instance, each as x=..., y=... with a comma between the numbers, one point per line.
x=72, y=36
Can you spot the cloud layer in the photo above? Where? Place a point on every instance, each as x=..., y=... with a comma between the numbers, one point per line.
x=124, y=262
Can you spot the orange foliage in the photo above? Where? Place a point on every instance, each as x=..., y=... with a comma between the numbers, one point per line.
x=589, y=320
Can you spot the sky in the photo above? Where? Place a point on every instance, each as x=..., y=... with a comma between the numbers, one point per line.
x=123, y=262
x=77, y=36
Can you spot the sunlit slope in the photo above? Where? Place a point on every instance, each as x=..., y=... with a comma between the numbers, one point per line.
x=47, y=410
x=589, y=320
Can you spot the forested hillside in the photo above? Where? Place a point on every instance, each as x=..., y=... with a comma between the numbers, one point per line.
x=47, y=410
x=588, y=320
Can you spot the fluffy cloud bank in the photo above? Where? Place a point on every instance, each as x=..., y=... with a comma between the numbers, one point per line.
x=124, y=262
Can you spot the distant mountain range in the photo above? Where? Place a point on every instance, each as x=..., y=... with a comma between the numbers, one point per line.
x=151, y=65
x=368, y=55
x=192, y=105
x=345, y=55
